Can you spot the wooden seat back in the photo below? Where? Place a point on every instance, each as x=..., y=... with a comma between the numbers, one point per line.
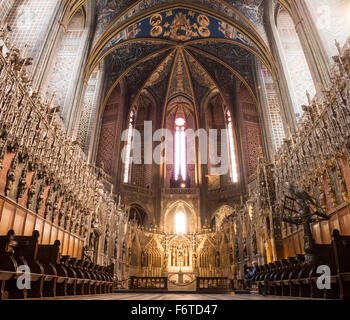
x=341, y=249
x=26, y=252
x=7, y=249
x=48, y=255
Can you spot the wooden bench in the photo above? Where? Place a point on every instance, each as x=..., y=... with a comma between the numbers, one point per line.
x=72, y=275
x=110, y=275
x=325, y=256
x=79, y=283
x=291, y=265
x=293, y=277
x=50, y=275
x=8, y=264
x=26, y=254
x=260, y=278
x=341, y=246
x=281, y=268
x=48, y=256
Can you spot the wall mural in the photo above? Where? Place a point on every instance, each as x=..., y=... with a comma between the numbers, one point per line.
x=128, y=54
x=109, y=10
x=180, y=25
x=235, y=56
x=252, y=9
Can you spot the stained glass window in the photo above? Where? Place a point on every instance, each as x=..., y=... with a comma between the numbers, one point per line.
x=180, y=149
x=232, y=153
x=180, y=223
x=128, y=148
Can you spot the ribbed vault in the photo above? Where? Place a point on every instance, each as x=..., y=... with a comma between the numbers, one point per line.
x=158, y=22
x=151, y=47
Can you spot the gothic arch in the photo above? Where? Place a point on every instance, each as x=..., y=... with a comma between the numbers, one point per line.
x=253, y=35
x=190, y=213
x=138, y=213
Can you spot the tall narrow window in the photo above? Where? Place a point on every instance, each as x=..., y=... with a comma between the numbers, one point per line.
x=180, y=223
x=180, y=149
x=232, y=153
x=128, y=147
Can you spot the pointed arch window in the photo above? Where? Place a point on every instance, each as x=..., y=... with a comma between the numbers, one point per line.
x=180, y=223
x=128, y=157
x=232, y=152
x=180, y=149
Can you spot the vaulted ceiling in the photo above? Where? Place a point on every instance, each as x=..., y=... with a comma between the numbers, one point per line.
x=144, y=42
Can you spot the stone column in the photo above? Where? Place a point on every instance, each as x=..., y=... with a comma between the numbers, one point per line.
x=95, y=122
x=284, y=82
x=311, y=42
x=77, y=87
x=49, y=44
x=263, y=109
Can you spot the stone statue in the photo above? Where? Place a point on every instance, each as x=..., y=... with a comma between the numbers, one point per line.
x=254, y=243
x=143, y=259
x=115, y=248
x=217, y=259
x=94, y=222
x=91, y=240
x=106, y=239
x=194, y=261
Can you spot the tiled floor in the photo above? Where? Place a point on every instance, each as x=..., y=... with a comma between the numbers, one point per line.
x=170, y=296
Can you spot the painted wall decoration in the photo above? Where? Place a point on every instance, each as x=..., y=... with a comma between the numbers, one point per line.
x=180, y=25
x=5, y=7
x=252, y=10
x=110, y=9
x=30, y=21
x=238, y=58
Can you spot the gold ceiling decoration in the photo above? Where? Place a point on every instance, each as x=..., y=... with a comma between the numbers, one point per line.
x=262, y=50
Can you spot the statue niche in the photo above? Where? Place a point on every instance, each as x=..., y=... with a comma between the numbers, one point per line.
x=180, y=254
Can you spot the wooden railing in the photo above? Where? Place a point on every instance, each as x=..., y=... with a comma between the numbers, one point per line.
x=149, y=283
x=214, y=284
x=182, y=191
x=136, y=189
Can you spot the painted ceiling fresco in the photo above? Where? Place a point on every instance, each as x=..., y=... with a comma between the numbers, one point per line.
x=113, y=13
x=119, y=61
x=108, y=10
x=157, y=84
x=234, y=56
x=138, y=76
x=201, y=80
x=179, y=25
x=185, y=72
x=180, y=82
x=179, y=50
x=251, y=9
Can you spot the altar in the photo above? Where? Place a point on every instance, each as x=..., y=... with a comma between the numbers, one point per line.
x=182, y=281
x=181, y=278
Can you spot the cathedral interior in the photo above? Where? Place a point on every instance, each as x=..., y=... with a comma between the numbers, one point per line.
x=90, y=202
